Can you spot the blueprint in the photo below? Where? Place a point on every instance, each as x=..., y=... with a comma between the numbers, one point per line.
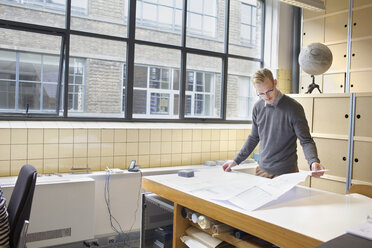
x=243, y=190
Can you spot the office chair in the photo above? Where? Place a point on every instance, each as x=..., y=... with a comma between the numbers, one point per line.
x=19, y=207
x=361, y=189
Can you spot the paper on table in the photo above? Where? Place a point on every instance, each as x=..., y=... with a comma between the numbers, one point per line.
x=240, y=189
x=259, y=195
x=364, y=230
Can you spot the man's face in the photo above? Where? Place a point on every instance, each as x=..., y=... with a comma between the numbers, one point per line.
x=267, y=91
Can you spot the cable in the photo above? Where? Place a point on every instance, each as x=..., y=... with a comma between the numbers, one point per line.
x=138, y=200
x=113, y=220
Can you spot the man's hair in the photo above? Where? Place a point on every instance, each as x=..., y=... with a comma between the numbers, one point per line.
x=260, y=76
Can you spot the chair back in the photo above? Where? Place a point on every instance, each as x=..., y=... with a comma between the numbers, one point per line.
x=19, y=207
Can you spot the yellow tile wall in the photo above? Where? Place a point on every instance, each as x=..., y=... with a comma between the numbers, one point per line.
x=57, y=150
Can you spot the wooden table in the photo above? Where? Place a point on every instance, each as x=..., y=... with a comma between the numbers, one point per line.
x=303, y=217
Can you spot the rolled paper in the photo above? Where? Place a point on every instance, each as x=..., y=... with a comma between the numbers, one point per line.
x=189, y=214
x=194, y=217
x=239, y=234
x=186, y=213
x=221, y=228
x=205, y=222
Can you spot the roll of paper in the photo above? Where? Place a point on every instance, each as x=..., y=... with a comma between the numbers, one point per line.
x=194, y=217
x=221, y=228
x=187, y=213
x=205, y=222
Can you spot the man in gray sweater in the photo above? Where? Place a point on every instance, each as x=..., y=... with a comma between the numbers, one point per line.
x=278, y=121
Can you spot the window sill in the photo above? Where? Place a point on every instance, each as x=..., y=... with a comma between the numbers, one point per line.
x=119, y=125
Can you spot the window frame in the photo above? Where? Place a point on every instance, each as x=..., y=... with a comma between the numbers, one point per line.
x=131, y=42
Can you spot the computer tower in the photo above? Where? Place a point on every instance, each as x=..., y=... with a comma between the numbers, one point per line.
x=156, y=222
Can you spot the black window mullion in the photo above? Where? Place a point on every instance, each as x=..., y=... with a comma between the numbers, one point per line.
x=182, y=97
x=130, y=59
x=225, y=64
x=263, y=12
x=67, y=57
x=60, y=71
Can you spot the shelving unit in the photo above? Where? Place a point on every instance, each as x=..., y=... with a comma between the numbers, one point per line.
x=340, y=27
x=329, y=117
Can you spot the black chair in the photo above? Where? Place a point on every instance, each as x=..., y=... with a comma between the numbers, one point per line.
x=19, y=207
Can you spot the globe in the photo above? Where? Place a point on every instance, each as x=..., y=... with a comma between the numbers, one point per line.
x=315, y=58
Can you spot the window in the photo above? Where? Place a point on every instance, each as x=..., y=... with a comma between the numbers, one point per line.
x=76, y=85
x=156, y=92
x=167, y=15
x=241, y=94
x=200, y=94
x=162, y=14
x=248, y=23
x=29, y=81
x=202, y=17
x=167, y=67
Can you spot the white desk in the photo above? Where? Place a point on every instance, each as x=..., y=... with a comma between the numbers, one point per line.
x=303, y=217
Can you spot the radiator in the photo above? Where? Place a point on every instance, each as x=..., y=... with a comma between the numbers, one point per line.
x=62, y=210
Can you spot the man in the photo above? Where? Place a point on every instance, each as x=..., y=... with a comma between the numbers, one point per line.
x=278, y=121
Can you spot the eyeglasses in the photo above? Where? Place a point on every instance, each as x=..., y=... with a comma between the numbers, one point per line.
x=265, y=93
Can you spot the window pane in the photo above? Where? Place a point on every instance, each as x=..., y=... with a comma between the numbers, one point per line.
x=196, y=6
x=157, y=82
x=139, y=102
x=29, y=96
x=97, y=77
x=203, y=95
x=176, y=79
x=50, y=69
x=245, y=13
x=246, y=33
x=7, y=95
x=23, y=74
x=159, y=22
x=195, y=23
x=103, y=17
x=159, y=104
x=7, y=65
x=140, y=76
x=149, y=13
x=190, y=81
x=49, y=96
x=176, y=104
x=30, y=67
x=165, y=16
x=209, y=26
x=210, y=7
x=241, y=95
x=205, y=29
x=245, y=28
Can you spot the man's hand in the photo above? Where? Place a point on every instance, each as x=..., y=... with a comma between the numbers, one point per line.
x=316, y=166
x=228, y=165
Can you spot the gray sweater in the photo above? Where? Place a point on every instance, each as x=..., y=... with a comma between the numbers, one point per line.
x=277, y=128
